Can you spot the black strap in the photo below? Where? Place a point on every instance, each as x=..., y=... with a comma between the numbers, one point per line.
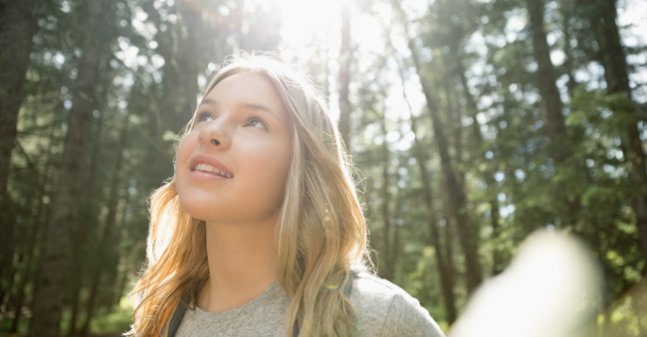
x=178, y=314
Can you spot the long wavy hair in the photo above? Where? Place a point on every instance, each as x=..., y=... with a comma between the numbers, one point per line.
x=321, y=236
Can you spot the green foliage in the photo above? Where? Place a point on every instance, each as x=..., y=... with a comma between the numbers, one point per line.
x=113, y=320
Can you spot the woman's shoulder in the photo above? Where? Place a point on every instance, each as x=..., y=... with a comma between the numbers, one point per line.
x=384, y=309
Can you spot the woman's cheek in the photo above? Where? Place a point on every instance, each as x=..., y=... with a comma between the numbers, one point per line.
x=181, y=155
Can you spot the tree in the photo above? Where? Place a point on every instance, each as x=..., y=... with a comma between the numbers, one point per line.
x=17, y=28
x=446, y=271
x=54, y=274
x=602, y=15
x=457, y=200
x=345, y=57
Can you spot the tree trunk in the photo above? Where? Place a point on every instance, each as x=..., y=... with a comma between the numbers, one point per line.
x=90, y=304
x=394, y=252
x=560, y=147
x=106, y=243
x=388, y=269
x=457, y=200
x=566, y=15
x=445, y=268
x=122, y=275
x=17, y=28
x=602, y=15
x=552, y=105
x=77, y=289
x=33, y=241
x=476, y=133
x=89, y=214
x=344, y=77
x=487, y=174
x=51, y=284
x=452, y=121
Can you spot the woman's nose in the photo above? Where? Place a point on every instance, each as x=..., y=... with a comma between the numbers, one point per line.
x=215, y=134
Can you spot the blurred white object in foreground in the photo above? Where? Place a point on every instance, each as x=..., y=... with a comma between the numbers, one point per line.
x=549, y=290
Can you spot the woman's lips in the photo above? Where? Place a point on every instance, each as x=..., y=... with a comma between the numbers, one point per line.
x=202, y=165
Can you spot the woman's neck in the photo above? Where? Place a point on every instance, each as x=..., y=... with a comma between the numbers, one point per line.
x=241, y=261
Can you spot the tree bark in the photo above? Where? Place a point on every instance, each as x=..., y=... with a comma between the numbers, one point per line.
x=51, y=284
x=552, y=105
x=122, y=274
x=459, y=71
x=445, y=268
x=602, y=15
x=344, y=77
x=33, y=242
x=89, y=214
x=388, y=270
x=566, y=15
x=561, y=146
x=17, y=28
x=457, y=200
x=479, y=140
x=394, y=252
x=107, y=241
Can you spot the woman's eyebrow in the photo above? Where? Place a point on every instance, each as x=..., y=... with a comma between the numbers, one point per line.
x=261, y=107
x=249, y=106
x=208, y=101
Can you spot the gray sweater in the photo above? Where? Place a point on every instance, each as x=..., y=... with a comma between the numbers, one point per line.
x=383, y=310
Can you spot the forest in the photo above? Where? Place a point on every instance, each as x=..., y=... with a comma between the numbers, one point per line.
x=471, y=124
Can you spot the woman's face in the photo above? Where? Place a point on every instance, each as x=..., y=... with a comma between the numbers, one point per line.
x=232, y=166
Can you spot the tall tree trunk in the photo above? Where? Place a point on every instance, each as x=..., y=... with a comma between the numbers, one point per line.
x=51, y=284
x=560, y=146
x=345, y=56
x=75, y=301
x=602, y=15
x=458, y=71
x=17, y=28
x=32, y=242
x=445, y=267
x=107, y=241
x=457, y=200
x=394, y=251
x=478, y=139
x=388, y=269
x=446, y=270
x=89, y=214
x=453, y=119
x=552, y=105
x=566, y=15
x=122, y=274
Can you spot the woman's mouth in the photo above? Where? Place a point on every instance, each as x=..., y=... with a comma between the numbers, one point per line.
x=208, y=166
x=203, y=167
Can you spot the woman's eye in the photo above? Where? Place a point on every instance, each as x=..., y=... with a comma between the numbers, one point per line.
x=204, y=117
x=256, y=122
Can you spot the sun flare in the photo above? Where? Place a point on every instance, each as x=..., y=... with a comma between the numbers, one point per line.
x=305, y=21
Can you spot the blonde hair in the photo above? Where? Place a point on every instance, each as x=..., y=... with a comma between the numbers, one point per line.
x=321, y=233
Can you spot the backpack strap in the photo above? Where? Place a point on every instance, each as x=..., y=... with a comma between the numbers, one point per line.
x=178, y=314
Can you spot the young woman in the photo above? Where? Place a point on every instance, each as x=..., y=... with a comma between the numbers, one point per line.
x=260, y=232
